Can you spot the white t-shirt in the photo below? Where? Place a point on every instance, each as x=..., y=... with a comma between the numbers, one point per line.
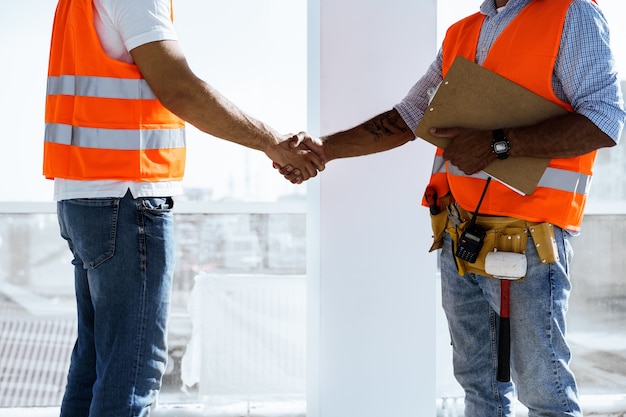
x=123, y=25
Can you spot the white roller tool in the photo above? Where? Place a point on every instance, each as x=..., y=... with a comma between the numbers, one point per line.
x=506, y=265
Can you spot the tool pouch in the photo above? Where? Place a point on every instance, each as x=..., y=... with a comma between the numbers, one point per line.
x=439, y=222
x=545, y=242
x=502, y=234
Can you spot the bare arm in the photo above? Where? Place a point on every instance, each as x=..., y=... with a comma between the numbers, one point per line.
x=165, y=68
x=381, y=133
x=560, y=137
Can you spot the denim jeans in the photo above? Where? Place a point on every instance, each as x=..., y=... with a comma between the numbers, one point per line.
x=540, y=355
x=123, y=266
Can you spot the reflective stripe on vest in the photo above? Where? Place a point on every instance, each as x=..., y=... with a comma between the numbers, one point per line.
x=102, y=87
x=118, y=139
x=555, y=178
x=103, y=121
x=560, y=196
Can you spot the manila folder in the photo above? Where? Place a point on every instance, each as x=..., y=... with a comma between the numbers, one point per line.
x=471, y=96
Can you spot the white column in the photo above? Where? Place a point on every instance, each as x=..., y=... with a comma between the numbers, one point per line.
x=371, y=292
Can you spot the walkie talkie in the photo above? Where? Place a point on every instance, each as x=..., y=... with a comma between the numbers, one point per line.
x=473, y=237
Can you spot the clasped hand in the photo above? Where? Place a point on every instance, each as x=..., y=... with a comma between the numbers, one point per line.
x=469, y=149
x=302, y=157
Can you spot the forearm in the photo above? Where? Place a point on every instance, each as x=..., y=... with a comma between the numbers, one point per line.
x=165, y=67
x=381, y=133
x=562, y=137
x=208, y=110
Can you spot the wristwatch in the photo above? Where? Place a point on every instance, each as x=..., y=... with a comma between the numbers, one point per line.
x=500, y=145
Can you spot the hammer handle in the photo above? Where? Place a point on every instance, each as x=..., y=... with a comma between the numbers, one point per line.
x=504, y=337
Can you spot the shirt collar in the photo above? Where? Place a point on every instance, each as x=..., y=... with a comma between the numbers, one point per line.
x=489, y=6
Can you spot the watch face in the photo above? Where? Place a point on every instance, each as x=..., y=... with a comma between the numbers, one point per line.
x=500, y=147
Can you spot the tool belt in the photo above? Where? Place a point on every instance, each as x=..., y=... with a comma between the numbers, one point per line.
x=505, y=234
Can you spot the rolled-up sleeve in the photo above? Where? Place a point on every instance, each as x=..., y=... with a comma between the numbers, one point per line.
x=585, y=73
x=415, y=103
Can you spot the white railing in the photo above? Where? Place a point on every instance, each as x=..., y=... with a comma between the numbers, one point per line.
x=182, y=207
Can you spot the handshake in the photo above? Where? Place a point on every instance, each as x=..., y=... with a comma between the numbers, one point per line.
x=298, y=157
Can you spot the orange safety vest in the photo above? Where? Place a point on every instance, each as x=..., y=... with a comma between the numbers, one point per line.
x=525, y=56
x=103, y=122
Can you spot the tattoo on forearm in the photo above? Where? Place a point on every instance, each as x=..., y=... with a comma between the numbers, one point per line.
x=386, y=124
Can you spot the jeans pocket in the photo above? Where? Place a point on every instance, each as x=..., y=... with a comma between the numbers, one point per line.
x=157, y=204
x=90, y=227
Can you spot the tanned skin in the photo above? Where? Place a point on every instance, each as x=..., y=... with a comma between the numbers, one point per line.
x=165, y=68
x=469, y=149
x=381, y=133
x=560, y=137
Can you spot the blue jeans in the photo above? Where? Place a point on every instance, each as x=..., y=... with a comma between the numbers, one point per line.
x=539, y=352
x=123, y=266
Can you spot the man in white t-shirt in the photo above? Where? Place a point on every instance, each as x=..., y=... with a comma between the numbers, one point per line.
x=119, y=89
